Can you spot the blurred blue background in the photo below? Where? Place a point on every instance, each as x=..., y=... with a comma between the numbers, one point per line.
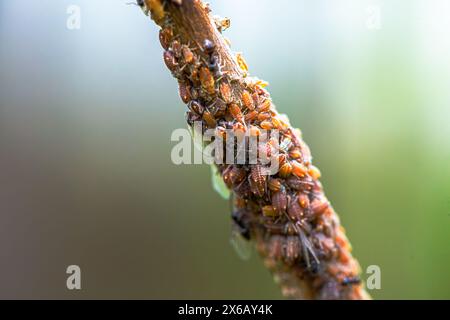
x=85, y=123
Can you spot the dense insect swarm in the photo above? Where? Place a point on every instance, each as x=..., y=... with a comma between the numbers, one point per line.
x=286, y=212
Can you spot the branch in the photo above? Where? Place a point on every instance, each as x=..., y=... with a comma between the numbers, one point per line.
x=286, y=214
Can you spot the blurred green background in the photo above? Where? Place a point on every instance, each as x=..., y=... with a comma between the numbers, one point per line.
x=85, y=122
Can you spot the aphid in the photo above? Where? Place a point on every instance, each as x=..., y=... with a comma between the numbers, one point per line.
x=219, y=107
x=196, y=107
x=276, y=247
x=241, y=62
x=278, y=124
x=279, y=200
x=188, y=56
x=299, y=184
x=295, y=153
x=314, y=172
x=269, y=211
x=351, y=280
x=264, y=116
x=255, y=98
x=251, y=116
x=258, y=179
x=235, y=111
x=274, y=184
x=265, y=106
x=247, y=100
x=237, y=175
x=207, y=80
x=294, y=209
x=319, y=206
x=298, y=169
x=285, y=170
x=165, y=36
x=266, y=125
x=176, y=48
x=209, y=119
x=170, y=61
x=157, y=10
x=303, y=200
x=292, y=249
x=195, y=76
x=185, y=92
x=225, y=92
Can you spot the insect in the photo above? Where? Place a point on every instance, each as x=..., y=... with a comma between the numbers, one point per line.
x=207, y=80
x=294, y=209
x=257, y=180
x=225, y=92
x=209, y=119
x=184, y=90
x=196, y=107
x=170, y=61
x=285, y=170
x=247, y=100
x=165, y=37
x=292, y=249
x=235, y=112
x=279, y=199
x=299, y=184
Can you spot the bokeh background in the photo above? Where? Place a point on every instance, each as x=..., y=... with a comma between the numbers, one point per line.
x=85, y=122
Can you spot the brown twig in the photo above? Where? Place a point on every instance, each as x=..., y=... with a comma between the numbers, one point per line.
x=286, y=214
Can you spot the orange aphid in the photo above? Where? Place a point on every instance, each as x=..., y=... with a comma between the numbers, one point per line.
x=303, y=200
x=263, y=116
x=207, y=80
x=247, y=100
x=209, y=119
x=187, y=54
x=269, y=211
x=265, y=106
x=295, y=153
x=285, y=170
x=235, y=111
x=314, y=172
x=298, y=169
x=274, y=185
x=225, y=92
x=266, y=125
x=251, y=115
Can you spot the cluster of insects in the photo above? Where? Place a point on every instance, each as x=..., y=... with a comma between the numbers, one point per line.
x=286, y=213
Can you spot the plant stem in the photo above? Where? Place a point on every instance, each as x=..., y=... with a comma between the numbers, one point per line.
x=295, y=229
